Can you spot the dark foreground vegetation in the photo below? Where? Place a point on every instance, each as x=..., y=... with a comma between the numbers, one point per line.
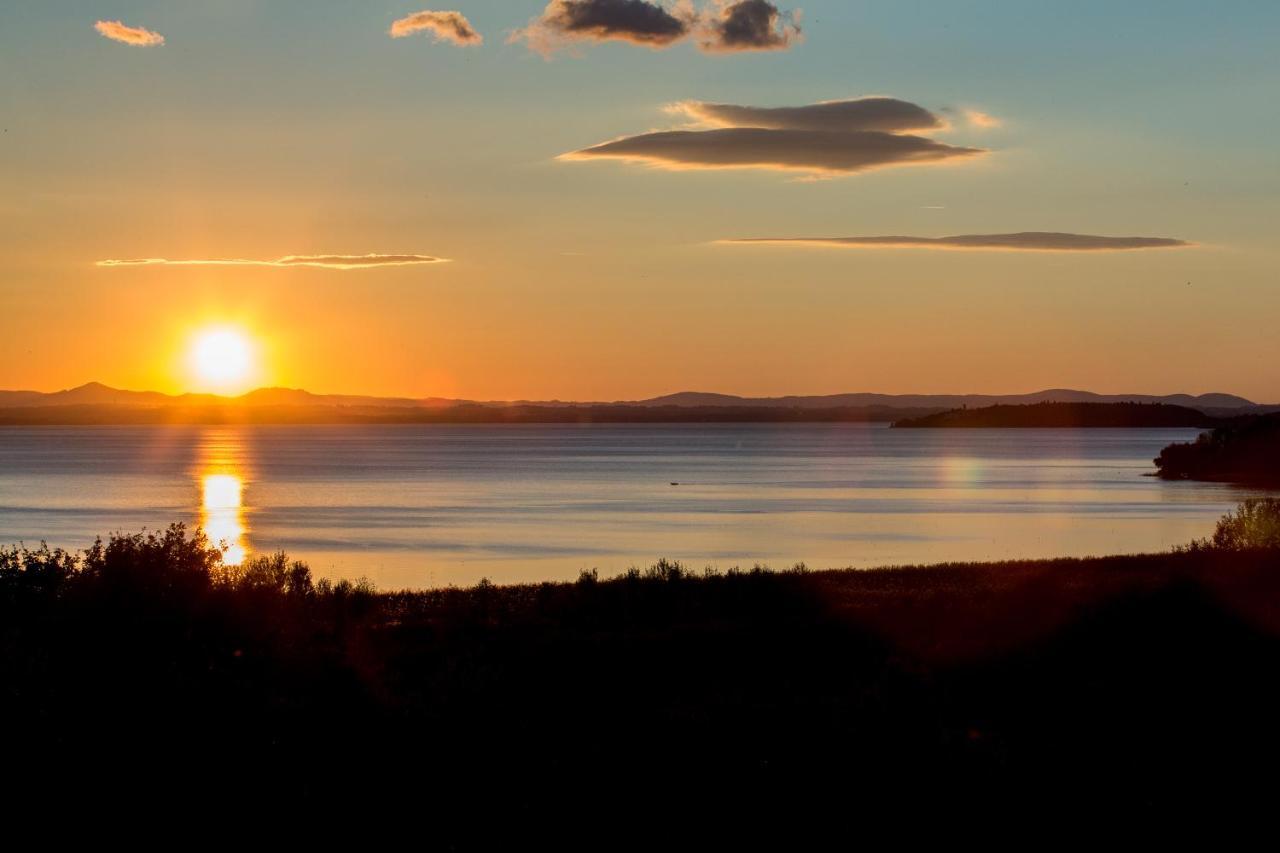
x=1243, y=452
x=1067, y=415
x=144, y=676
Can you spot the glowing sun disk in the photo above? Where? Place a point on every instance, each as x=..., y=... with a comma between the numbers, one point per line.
x=222, y=356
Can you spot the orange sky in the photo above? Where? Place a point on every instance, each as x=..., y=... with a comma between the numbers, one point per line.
x=255, y=134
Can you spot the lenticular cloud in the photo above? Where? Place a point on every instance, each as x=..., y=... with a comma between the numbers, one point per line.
x=833, y=138
x=1023, y=241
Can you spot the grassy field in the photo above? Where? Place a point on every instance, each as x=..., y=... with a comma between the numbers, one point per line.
x=146, y=673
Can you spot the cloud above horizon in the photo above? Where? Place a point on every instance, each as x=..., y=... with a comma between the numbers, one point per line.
x=723, y=26
x=748, y=25
x=639, y=22
x=135, y=36
x=981, y=120
x=331, y=262
x=878, y=113
x=831, y=138
x=1022, y=241
x=443, y=26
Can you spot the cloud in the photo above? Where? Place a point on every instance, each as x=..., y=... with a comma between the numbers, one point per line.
x=981, y=120
x=136, y=36
x=758, y=148
x=889, y=115
x=836, y=137
x=444, y=26
x=640, y=22
x=1023, y=241
x=332, y=262
x=724, y=26
x=748, y=25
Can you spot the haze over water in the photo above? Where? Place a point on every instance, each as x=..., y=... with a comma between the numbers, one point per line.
x=419, y=506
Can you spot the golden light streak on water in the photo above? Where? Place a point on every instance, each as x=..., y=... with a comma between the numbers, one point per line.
x=222, y=515
x=222, y=476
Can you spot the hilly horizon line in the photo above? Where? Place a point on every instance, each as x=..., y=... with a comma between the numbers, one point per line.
x=97, y=394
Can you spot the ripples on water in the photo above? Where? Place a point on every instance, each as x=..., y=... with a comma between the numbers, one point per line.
x=433, y=505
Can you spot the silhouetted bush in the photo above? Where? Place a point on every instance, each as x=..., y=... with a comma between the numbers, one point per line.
x=274, y=573
x=1254, y=524
x=40, y=573
x=163, y=565
x=169, y=564
x=146, y=675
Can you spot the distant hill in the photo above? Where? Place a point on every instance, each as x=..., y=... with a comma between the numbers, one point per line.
x=97, y=394
x=1066, y=415
x=462, y=413
x=1203, y=402
x=1247, y=452
x=95, y=403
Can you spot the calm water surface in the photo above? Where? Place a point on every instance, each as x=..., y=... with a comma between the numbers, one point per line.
x=435, y=505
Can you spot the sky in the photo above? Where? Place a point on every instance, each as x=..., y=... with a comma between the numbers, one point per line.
x=555, y=230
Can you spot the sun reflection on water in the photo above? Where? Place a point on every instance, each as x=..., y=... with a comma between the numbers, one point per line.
x=222, y=513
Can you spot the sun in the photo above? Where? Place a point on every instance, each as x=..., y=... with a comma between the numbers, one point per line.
x=222, y=358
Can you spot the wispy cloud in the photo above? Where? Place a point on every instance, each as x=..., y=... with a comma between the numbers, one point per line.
x=1023, y=241
x=444, y=26
x=981, y=120
x=331, y=262
x=565, y=22
x=136, y=36
x=835, y=137
x=742, y=25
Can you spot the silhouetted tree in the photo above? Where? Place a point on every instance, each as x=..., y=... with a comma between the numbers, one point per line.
x=1247, y=452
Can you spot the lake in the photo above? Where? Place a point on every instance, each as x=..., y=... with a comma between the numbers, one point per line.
x=430, y=505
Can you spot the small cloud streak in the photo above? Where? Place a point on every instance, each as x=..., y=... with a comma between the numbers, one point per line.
x=749, y=25
x=981, y=120
x=831, y=138
x=135, y=36
x=443, y=26
x=1023, y=241
x=329, y=262
x=639, y=22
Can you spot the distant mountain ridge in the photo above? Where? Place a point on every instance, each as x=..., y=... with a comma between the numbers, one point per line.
x=950, y=401
x=97, y=394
